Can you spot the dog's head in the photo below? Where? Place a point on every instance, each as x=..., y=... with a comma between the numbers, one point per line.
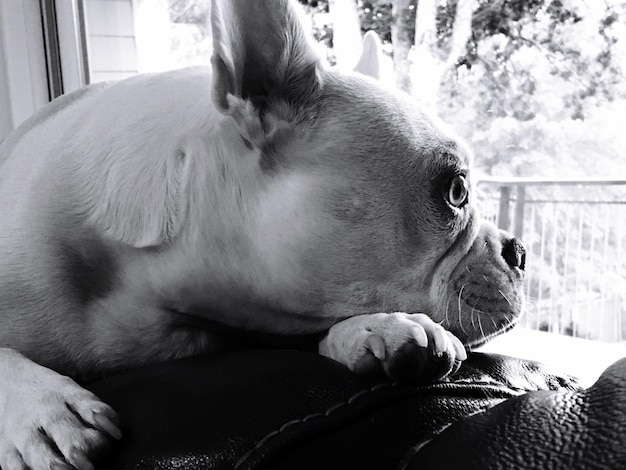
x=370, y=207
x=328, y=195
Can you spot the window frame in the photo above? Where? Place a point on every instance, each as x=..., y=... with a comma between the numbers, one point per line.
x=43, y=54
x=69, y=21
x=23, y=78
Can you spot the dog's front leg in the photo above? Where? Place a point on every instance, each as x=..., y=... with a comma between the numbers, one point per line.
x=47, y=420
x=400, y=345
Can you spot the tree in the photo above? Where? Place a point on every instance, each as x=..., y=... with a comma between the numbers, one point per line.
x=346, y=31
x=535, y=71
x=401, y=33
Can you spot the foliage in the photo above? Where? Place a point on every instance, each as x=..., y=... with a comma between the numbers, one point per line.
x=376, y=16
x=196, y=12
x=504, y=39
x=527, y=81
x=531, y=68
x=322, y=32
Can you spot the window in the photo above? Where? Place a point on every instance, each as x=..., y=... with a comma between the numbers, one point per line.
x=126, y=37
x=23, y=84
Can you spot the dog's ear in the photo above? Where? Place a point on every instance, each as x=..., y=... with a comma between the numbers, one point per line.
x=260, y=52
x=132, y=190
x=369, y=62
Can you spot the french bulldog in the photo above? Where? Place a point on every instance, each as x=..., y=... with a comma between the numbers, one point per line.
x=267, y=193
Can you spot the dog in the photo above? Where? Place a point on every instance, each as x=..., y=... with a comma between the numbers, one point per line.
x=266, y=193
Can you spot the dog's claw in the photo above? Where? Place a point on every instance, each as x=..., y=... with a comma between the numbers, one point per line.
x=440, y=343
x=105, y=424
x=64, y=466
x=419, y=335
x=461, y=353
x=80, y=460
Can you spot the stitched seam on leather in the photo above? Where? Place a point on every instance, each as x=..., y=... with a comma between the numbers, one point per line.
x=485, y=389
x=333, y=409
x=489, y=392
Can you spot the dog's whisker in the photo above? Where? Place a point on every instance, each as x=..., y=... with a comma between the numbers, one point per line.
x=510, y=320
x=447, y=312
x=480, y=326
x=472, y=314
x=505, y=298
x=460, y=310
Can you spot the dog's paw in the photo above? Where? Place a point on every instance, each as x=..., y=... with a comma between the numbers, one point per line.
x=47, y=421
x=403, y=346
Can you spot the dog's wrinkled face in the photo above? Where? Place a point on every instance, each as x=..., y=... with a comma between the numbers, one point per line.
x=372, y=210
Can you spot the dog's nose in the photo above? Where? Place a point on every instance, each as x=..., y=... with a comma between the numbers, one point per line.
x=514, y=253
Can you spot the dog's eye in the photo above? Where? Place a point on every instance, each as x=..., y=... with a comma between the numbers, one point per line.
x=458, y=192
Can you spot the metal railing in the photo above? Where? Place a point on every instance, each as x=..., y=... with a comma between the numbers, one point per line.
x=575, y=235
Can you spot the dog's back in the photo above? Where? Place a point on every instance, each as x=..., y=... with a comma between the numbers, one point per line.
x=60, y=278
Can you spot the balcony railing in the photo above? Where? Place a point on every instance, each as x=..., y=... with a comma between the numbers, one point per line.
x=575, y=234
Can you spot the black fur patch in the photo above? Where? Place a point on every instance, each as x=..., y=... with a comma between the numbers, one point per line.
x=89, y=268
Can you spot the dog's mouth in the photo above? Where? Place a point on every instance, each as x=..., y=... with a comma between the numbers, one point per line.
x=483, y=296
x=484, y=302
x=475, y=328
x=509, y=325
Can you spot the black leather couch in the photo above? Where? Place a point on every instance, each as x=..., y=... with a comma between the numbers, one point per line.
x=284, y=409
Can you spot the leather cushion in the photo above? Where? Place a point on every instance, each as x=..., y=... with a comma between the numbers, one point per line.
x=286, y=409
x=559, y=430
